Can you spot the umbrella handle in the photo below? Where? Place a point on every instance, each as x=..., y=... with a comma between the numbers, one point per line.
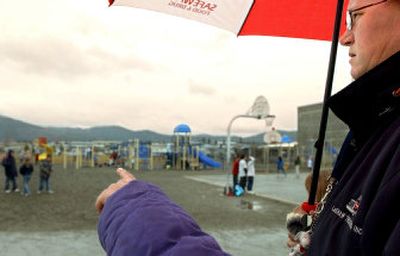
x=319, y=145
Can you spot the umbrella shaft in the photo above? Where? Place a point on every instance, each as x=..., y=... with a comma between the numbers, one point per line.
x=325, y=110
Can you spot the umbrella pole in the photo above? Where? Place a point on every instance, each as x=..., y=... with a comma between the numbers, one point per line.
x=319, y=145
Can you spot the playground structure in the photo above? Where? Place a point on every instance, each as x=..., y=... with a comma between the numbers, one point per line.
x=135, y=155
x=138, y=155
x=132, y=154
x=185, y=155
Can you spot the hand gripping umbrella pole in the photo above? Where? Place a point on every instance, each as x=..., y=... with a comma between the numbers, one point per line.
x=319, y=145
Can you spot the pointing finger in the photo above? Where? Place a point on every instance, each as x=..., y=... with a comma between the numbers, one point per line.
x=125, y=175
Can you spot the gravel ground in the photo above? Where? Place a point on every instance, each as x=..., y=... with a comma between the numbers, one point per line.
x=64, y=223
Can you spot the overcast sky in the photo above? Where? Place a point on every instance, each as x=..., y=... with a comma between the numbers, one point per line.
x=83, y=64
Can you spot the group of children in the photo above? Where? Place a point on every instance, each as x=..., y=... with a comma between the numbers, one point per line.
x=26, y=169
x=243, y=172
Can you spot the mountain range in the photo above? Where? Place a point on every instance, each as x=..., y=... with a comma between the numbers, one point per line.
x=16, y=130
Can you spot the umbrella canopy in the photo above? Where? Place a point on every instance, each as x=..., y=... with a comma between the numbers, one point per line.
x=285, y=18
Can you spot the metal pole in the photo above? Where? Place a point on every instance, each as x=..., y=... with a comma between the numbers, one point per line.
x=267, y=160
x=77, y=159
x=151, y=157
x=130, y=156
x=92, y=157
x=319, y=145
x=65, y=157
x=137, y=154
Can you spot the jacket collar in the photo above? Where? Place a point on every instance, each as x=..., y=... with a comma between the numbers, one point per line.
x=371, y=100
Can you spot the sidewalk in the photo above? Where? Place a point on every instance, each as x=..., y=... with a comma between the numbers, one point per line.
x=288, y=189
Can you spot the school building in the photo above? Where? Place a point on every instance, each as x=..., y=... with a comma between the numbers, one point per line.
x=308, y=122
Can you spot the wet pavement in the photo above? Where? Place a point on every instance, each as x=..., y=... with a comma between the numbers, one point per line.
x=255, y=242
x=60, y=243
x=58, y=224
x=286, y=189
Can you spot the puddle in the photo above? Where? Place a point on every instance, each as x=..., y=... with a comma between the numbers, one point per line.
x=250, y=205
x=250, y=242
x=243, y=242
x=64, y=243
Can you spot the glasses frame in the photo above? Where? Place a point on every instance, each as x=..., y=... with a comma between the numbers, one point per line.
x=350, y=18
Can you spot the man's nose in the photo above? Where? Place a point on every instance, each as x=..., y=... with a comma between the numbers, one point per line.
x=346, y=38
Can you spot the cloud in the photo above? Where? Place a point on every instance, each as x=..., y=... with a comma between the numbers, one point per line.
x=195, y=88
x=64, y=58
x=87, y=64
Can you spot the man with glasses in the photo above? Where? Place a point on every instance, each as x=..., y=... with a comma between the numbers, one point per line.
x=360, y=214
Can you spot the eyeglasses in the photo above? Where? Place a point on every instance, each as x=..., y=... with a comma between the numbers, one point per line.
x=351, y=15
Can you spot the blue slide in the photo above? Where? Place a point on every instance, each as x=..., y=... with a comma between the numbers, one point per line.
x=208, y=161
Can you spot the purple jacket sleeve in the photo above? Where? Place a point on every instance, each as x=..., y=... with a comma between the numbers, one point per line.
x=140, y=219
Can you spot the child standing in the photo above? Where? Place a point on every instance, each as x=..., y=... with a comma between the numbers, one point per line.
x=251, y=172
x=235, y=171
x=45, y=170
x=26, y=170
x=242, y=172
x=280, y=166
x=10, y=168
x=297, y=163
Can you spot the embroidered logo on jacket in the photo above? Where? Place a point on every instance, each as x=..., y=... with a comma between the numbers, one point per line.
x=396, y=93
x=353, y=205
x=348, y=220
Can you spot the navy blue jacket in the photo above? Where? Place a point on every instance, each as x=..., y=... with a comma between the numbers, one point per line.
x=362, y=213
x=26, y=169
x=10, y=166
x=141, y=220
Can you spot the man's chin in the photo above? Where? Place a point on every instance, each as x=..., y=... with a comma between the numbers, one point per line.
x=353, y=75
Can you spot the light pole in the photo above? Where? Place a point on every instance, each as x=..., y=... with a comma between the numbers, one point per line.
x=259, y=110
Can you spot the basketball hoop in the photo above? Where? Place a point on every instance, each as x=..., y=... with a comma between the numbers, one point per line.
x=268, y=122
x=272, y=137
x=260, y=108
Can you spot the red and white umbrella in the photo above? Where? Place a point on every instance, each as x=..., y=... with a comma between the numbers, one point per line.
x=309, y=19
